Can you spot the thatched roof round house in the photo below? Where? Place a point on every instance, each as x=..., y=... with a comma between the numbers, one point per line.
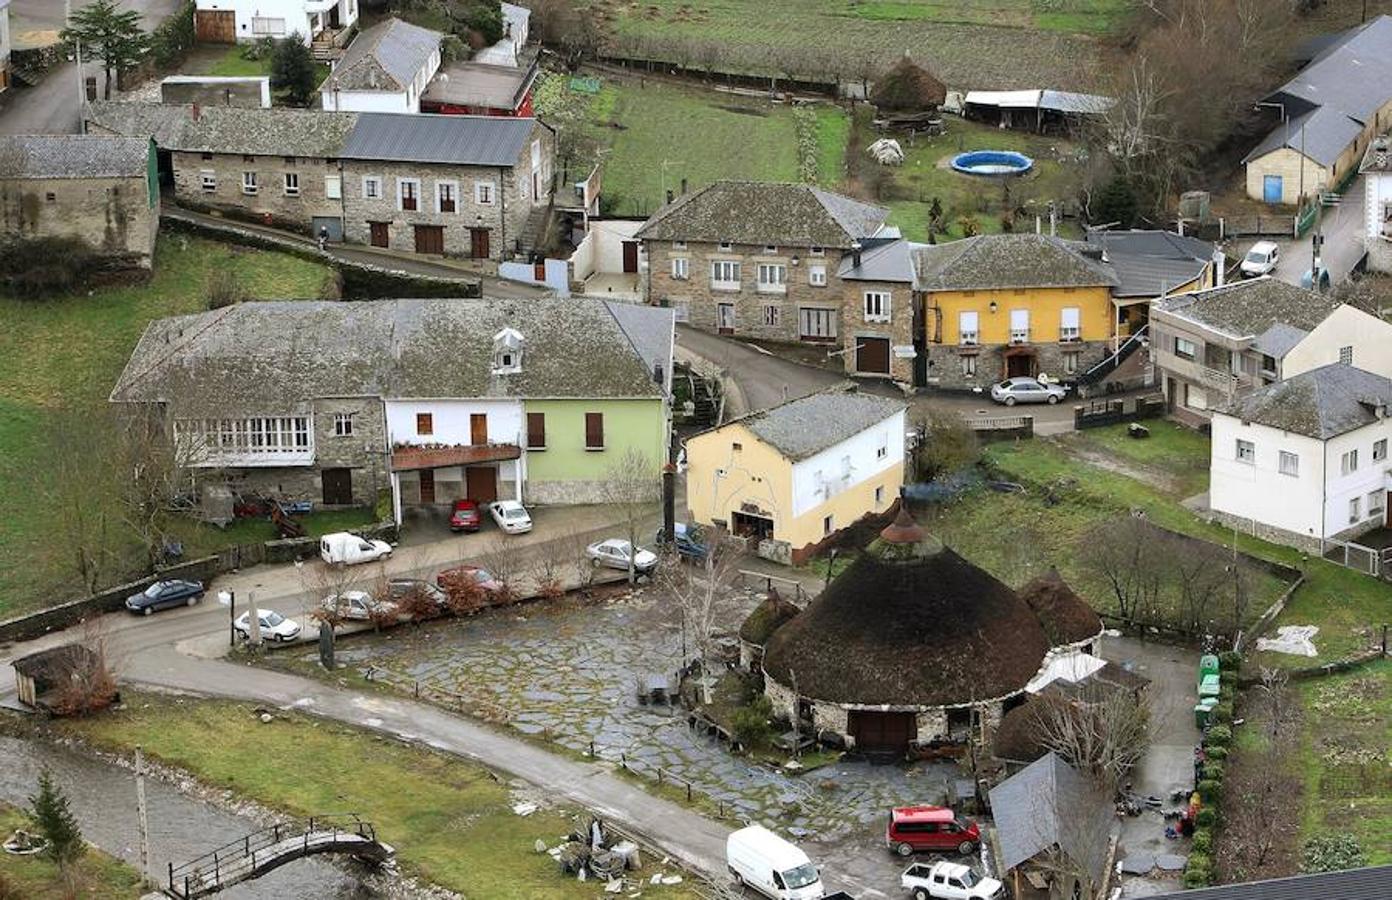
x=908, y=87
x=771, y=614
x=1066, y=617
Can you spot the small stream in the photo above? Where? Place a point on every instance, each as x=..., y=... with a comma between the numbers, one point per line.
x=181, y=828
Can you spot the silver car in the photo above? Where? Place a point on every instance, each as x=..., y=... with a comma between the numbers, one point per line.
x=1026, y=390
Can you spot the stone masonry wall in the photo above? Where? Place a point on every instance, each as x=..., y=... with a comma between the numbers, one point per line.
x=945, y=362
x=293, y=211
x=110, y=214
x=898, y=330
x=364, y=451
x=1303, y=542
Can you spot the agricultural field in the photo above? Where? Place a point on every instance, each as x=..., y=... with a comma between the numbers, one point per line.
x=60, y=357
x=969, y=44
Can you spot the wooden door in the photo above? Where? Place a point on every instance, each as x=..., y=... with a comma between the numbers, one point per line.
x=430, y=239
x=478, y=243
x=478, y=428
x=1020, y=366
x=881, y=731
x=338, y=487
x=427, y=485
x=381, y=236
x=630, y=256
x=481, y=483
x=725, y=318
x=872, y=355
x=215, y=26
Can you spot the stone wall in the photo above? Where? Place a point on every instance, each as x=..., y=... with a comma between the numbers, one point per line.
x=503, y=217
x=898, y=331
x=364, y=451
x=227, y=170
x=112, y=215
x=945, y=368
x=832, y=717
x=572, y=493
x=1303, y=542
x=932, y=725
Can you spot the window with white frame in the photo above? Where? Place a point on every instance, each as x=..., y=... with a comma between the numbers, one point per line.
x=1355, y=509
x=770, y=250
x=1348, y=463
x=1246, y=452
x=333, y=187
x=1346, y=355
x=725, y=274
x=292, y=184
x=1376, y=503
x=772, y=315
x=968, y=361
x=968, y=328
x=1379, y=450
x=773, y=278
x=816, y=324
x=1184, y=348
x=372, y=187
x=343, y=424
x=248, y=182
x=408, y=194
x=1019, y=326
x=681, y=268
x=1070, y=361
x=1070, y=324
x=484, y=191
x=877, y=306
x=287, y=435
x=1289, y=464
x=816, y=276
x=264, y=26
x=208, y=178
x=447, y=196
x=882, y=448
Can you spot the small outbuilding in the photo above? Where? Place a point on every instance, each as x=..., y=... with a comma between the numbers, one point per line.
x=42, y=678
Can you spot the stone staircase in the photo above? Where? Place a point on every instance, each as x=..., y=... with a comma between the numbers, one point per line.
x=533, y=231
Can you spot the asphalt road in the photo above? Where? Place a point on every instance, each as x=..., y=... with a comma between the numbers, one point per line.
x=1342, y=227
x=52, y=107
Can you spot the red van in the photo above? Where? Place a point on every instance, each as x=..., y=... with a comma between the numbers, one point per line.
x=933, y=828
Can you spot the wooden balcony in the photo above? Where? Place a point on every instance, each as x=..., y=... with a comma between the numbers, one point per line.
x=1196, y=372
x=405, y=457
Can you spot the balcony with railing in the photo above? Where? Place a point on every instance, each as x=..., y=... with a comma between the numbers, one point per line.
x=409, y=457
x=1019, y=335
x=1196, y=372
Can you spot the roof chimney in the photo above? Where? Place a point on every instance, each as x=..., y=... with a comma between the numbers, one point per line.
x=855, y=254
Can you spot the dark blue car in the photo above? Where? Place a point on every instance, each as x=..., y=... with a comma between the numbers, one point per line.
x=690, y=540
x=164, y=594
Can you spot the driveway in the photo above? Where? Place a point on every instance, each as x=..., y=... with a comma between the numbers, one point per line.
x=52, y=107
x=1342, y=227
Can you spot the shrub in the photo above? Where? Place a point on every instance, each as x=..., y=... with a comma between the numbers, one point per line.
x=750, y=725
x=969, y=225
x=1213, y=771
x=1209, y=790
x=1207, y=817
x=1216, y=753
x=417, y=605
x=1219, y=736
x=224, y=289
x=465, y=595
x=1222, y=713
x=1203, y=841
x=1332, y=852
x=1198, y=872
x=1229, y=661
x=171, y=41
x=44, y=266
x=1226, y=692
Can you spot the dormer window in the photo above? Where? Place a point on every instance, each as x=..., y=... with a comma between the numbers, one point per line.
x=507, y=352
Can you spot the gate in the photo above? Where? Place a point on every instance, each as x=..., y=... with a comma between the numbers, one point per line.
x=215, y=26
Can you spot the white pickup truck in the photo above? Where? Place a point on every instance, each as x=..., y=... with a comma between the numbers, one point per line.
x=949, y=881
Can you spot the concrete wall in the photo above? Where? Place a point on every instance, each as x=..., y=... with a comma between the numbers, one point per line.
x=1259, y=491
x=557, y=274
x=873, y=455
x=720, y=479
x=112, y=215
x=368, y=101
x=294, y=12
x=601, y=250
x=1347, y=326
x=210, y=90
x=566, y=472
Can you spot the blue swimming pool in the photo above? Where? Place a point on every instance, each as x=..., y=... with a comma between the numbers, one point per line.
x=992, y=162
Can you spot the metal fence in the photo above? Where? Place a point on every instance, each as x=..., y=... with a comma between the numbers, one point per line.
x=1363, y=559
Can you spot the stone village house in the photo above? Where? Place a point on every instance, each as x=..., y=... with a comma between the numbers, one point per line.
x=101, y=190
x=462, y=186
x=430, y=400
x=385, y=69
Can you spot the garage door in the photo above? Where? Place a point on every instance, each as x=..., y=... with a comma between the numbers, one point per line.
x=882, y=731
x=430, y=239
x=872, y=355
x=215, y=26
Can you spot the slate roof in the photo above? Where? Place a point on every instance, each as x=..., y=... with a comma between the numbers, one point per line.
x=881, y=259
x=396, y=137
x=763, y=212
x=1338, y=93
x=386, y=57
x=806, y=426
x=1008, y=261
x=73, y=156
x=1045, y=804
x=1322, y=403
x=1371, y=883
x=277, y=354
x=1151, y=263
x=1250, y=308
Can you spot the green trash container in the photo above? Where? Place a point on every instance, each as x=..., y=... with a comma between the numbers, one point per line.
x=1201, y=714
x=1208, y=665
x=1208, y=686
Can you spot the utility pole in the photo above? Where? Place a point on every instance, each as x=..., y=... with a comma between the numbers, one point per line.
x=253, y=622
x=142, y=811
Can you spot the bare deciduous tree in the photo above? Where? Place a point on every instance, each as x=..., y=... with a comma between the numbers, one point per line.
x=1257, y=792
x=1103, y=732
x=1120, y=552
x=632, y=487
x=704, y=592
x=88, y=679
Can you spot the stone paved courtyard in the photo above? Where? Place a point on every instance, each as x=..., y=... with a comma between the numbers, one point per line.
x=568, y=672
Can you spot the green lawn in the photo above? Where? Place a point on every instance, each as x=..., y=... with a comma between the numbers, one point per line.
x=232, y=64
x=450, y=821
x=653, y=134
x=60, y=357
x=36, y=878
x=1177, y=454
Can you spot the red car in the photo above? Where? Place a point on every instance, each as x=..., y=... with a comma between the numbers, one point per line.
x=465, y=516
x=933, y=828
x=482, y=577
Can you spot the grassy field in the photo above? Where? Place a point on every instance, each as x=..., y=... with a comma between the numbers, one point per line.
x=36, y=878
x=968, y=43
x=230, y=63
x=654, y=133
x=451, y=822
x=65, y=353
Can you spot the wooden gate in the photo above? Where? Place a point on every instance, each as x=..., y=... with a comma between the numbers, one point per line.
x=482, y=483
x=381, y=234
x=215, y=26
x=430, y=239
x=881, y=731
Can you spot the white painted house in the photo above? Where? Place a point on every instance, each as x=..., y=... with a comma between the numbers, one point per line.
x=1304, y=460
x=1377, y=204
x=1347, y=335
x=242, y=21
x=385, y=69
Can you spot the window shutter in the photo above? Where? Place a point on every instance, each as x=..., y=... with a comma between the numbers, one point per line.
x=968, y=321
x=536, y=430
x=1019, y=319
x=594, y=430
x=1070, y=317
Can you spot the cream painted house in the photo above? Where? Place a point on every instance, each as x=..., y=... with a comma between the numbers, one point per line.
x=794, y=475
x=1347, y=335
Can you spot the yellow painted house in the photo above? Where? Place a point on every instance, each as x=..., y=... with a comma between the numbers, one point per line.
x=793, y=475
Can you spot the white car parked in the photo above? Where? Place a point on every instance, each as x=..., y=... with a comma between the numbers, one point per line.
x=511, y=516
x=1260, y=260
x=615, y=552
x=356, y=604
x=949, y=881
x=274, y=626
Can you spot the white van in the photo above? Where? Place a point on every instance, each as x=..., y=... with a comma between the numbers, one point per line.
x=344, y=549
x=770, y=865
